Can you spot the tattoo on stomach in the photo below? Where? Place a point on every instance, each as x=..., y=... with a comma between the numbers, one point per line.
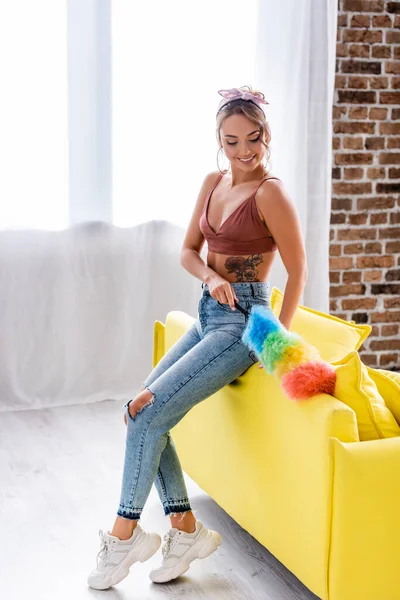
x=244, y=268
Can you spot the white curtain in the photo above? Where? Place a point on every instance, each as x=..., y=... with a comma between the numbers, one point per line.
x=78, y=307
x=169, y=60
x=84, y=275
x=33, y=115
x=296, y=53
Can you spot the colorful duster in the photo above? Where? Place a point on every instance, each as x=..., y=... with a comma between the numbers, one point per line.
x=287, y=355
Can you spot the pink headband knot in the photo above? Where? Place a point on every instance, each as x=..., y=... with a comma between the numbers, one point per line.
x=234, y=93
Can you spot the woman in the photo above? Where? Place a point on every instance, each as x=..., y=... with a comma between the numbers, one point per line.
x=244, y=215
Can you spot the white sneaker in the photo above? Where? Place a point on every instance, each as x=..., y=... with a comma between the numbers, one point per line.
x=116, y=556
x=181, y=548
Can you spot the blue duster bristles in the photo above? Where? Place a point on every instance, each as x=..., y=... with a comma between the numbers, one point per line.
x=260, y=324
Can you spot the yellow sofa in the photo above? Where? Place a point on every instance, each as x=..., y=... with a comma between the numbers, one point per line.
x=297, y=478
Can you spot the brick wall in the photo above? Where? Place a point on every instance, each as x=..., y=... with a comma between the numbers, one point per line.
x=365, y=218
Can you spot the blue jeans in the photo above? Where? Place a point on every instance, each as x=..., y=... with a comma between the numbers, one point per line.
x=207, y=357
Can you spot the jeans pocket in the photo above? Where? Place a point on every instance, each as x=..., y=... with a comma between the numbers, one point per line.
x=202, y=303
x=232, y=316
x=259, y=301
x=226, y=307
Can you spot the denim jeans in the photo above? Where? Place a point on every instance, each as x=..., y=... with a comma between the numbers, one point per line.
x=207, y=357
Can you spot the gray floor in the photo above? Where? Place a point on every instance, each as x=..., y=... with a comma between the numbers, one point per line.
x=60, y=475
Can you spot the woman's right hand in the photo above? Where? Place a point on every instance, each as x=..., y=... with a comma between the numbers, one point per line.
x=222, y=291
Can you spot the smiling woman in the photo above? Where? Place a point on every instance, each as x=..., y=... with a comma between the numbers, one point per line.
x=249, y=217
x=245, y=214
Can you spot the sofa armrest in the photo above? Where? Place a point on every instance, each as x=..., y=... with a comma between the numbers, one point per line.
x=365, y=540
x=158, y=342
x=299, y=471
x=165, y=335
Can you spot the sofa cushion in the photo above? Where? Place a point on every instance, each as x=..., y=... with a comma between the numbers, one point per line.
x=388, y=384
x=355, y=388
x=333, y=337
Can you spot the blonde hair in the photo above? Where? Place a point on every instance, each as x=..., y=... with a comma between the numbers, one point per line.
x=252, y=111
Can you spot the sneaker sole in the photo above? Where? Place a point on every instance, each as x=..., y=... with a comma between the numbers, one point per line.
x=208, y=545
x=137, y=554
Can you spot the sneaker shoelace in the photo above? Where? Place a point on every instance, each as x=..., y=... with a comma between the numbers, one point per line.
x=169, y=542
x=104, y=551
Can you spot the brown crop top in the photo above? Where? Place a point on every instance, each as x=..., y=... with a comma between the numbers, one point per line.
x=243, y=232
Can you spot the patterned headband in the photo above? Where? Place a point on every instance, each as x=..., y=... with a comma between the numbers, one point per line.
x=235, y=93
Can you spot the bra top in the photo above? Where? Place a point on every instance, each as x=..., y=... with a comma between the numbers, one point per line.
x=243, y=232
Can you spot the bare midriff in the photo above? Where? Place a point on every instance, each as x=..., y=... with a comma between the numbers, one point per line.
x=241, y=268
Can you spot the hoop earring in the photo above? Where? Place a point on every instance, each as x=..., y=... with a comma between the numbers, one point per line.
x=222, y=172
x=266, y=164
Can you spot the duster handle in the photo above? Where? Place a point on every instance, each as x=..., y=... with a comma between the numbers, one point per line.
x=242, y=310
